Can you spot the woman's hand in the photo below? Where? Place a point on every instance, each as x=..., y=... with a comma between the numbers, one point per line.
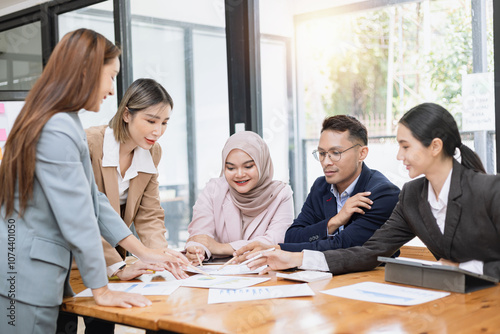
x=276, y=260
x=251, y=250
x=193, y=252
x=170, y=259
x=105, y=297
x=216, y=248
x=139, y=268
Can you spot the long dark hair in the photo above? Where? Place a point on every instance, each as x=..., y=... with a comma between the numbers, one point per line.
x=428, y=121
x=69, y=82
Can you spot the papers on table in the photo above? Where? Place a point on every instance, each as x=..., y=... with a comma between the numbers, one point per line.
x=386, y=293
x=306, y=276
x=232, y=269
x=151, y=288
x=166, y=275
x=222, y=282
x=264, y=292
x=429, y=263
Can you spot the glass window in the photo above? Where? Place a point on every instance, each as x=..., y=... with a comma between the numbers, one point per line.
x=20, y=57
x=277, y=31
x=276, y=105
x=97, y=17
x=185, y=50
x=211, y=102
x=376, y=64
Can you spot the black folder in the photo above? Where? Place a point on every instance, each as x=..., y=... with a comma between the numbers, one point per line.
x=434, y=276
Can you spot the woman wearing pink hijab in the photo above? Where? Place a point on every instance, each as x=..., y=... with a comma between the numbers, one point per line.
x=243, y=205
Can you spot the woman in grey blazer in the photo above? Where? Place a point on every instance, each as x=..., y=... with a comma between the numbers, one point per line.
x=454, y=209
x=50, y=206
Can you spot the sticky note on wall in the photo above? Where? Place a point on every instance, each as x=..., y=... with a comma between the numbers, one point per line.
x=1, y=154
x=3, y=135
x=2, y=108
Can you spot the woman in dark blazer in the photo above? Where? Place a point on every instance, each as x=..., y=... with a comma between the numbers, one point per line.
x=454, y=209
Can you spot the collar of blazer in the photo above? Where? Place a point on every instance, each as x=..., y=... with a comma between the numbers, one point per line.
x=135, y=191
x=453, y=211
x=110, y=179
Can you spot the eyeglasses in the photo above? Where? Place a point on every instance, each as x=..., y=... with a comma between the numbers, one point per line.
x=332, y=155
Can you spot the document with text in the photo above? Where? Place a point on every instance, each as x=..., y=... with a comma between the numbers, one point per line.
x=255, y=293
x=386, y=293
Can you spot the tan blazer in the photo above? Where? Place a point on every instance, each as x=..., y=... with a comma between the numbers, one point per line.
x=143, y=203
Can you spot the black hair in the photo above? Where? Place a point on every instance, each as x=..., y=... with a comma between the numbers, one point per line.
x=428, y=121
x=341, y=123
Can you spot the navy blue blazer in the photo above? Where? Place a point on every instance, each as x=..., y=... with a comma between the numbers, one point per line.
x=309, y=230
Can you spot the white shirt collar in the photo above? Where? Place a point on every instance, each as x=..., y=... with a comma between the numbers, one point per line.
x=442, y=199
x=141, y=162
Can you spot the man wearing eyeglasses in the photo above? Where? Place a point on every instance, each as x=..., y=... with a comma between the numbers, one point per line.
x=346, y=205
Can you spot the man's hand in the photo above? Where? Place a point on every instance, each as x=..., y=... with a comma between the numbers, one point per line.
x=105, y=297
x=277, y=260
x=355, y=204
x=249, y=250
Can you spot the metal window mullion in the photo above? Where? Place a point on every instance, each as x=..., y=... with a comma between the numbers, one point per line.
x=123, y=38
x=243, y=63
x=190, y=117
x=50, y=31
x=496, y=54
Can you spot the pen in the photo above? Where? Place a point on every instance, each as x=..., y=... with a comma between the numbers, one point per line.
x=256, y=256
x=228, y=262
x=199, y=259
x=198, y=270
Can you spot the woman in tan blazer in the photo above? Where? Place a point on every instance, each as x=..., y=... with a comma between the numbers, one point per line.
x=124, y=158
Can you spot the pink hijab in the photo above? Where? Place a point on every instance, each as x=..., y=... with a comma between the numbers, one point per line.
x=258, y=199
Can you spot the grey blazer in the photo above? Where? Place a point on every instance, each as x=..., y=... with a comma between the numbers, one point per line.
x=66, y=217
x=472, y=225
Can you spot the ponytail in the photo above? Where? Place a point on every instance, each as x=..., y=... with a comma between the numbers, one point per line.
x=471, y=160
x=428, y=121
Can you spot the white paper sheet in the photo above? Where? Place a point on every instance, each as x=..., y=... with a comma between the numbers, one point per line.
x=151, y=288
x=386, y=293
x=430, y=263
x=305, y=276
x=255, y=293
x=222, y=282
x=231, y=269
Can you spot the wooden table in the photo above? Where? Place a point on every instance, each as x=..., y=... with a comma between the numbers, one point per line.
x=187, y=311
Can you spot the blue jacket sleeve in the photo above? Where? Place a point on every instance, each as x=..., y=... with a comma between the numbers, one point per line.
x=311, y=223
x=359, y=229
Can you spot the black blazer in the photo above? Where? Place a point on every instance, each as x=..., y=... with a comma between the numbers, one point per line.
x=472, y=225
